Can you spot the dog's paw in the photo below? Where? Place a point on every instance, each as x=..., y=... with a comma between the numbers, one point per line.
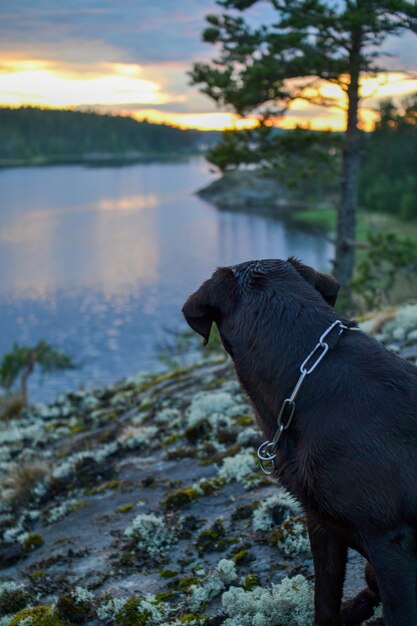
x=360, y=608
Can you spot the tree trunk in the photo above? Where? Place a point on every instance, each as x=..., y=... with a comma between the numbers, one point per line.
x=24, y=387
x=25, y=375
x=346, y=220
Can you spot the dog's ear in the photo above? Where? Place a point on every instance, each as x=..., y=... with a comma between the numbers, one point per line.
x=204, y=306
x=326, y=285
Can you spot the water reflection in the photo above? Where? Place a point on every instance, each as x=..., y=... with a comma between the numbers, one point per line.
x=99, y=261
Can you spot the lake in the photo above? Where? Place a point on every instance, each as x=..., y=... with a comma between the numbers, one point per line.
x=99, y=261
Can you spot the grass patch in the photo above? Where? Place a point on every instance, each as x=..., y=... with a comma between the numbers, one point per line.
x=325, y=219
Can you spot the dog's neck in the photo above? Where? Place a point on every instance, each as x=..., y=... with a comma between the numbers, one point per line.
x=270, y=371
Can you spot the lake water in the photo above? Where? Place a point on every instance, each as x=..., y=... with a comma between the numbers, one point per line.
x=99, y=261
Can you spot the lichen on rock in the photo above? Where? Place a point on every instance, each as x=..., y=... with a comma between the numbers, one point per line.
x=290, y=602
x=152, y=534
x=274, y=510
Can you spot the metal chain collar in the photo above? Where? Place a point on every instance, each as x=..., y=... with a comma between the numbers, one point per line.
x=267, y=451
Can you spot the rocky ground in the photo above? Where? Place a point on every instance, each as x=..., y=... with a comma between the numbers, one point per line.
x=142, y=504
x=250, y=190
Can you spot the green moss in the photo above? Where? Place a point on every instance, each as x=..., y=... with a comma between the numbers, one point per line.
x=177, y=374
x=257, y=480
x=77, y=428
x=13, y=600
x=110, y=484
x=106, y=436
x=288, y=528
x=148, y=482
x=75, y=612
x=37, y=574
x=183, y=452
x=181, y=497
x=42, y=615
x=240, y=556
x=111, y=415
x=145, y=406
x=230, y=451
x=212, y=485
x=125, y=508
x=165, y=595
x=170, y=440
x=244, y=511
x=218, y=382
x=52, y=426
x=244, y=420
x=126, y=557
x=191, y=619
x=197, y=431
x=251, y=581
x=277, y=534
x=168, y=573
x=132, y=615
x=33, y=541
x=186, y=562
x=212, y=539
x=77, y=505
x=185, y=583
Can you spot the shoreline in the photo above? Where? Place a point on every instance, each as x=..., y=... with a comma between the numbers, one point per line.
x=104, y=160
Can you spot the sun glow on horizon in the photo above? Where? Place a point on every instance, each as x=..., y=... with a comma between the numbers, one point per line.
x=41, y=84
x=123, y=87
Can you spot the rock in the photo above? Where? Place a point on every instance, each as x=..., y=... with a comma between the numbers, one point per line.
x=409, y=352
x=248, y=189
x=11, y=554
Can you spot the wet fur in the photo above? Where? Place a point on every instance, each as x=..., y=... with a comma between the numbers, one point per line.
x=350, y=455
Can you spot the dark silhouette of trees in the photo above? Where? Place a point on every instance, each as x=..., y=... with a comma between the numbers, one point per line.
x=29, y=133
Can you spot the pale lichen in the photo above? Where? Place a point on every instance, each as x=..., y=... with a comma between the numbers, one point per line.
x=274, y=510
x=239, y=466
x=223, y=575
x=289, y=602
x=291, y=537
x=139, y=611
x=152, y=534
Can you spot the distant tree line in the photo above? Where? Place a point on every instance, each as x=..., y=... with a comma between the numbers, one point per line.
x=30, y=133
x=388, y=169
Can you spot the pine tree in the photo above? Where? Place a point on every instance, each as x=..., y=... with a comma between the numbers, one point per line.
x=262, y=69
x=17, y=365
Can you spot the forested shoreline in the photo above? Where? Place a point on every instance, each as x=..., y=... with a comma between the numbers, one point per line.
x=35, y=135
x=304, y=161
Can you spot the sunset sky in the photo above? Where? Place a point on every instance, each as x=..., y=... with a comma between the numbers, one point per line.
x=131, y=57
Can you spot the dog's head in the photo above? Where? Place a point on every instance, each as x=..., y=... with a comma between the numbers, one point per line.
x=242, y=295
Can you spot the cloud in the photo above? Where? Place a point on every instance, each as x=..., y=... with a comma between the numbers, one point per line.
x=134, y=31
x=127, y=55
x=38, y=83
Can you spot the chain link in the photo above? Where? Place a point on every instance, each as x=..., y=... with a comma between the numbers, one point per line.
x=267, y=451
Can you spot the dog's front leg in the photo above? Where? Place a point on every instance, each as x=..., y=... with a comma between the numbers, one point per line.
x=330, y=557
x=393, y=557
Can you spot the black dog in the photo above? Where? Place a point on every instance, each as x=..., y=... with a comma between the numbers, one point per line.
x=350, y=453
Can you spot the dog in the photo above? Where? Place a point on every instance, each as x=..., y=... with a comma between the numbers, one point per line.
x=349, y=455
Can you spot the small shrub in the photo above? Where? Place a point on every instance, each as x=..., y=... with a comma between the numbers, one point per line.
x=21, y=480
x=390, y=257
